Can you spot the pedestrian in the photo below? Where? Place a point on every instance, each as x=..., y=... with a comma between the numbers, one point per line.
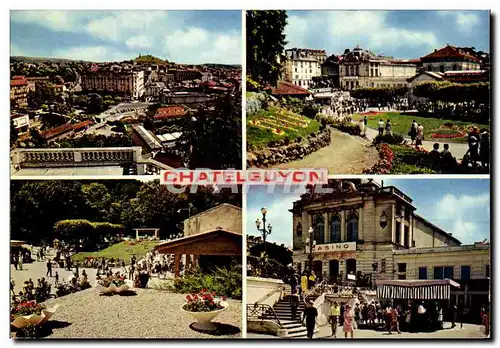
x=413, y=132
x=56, y=278
x=440, y=318
x=473, y=141
x=435, y=157
x=312, y=280
x=49, y=269
x=421, y=317
x=294, y=304
x=484, y=149
x=388, y=127
x=420, y=136
x=381, y=126
x=334, y=317
x=453, y=315
x=348, y=321
x=14, y=261
x=310, y=314
x=460, y=313
x=20, y=261
x=12, y=285
x=407, y=318
x=371, y=314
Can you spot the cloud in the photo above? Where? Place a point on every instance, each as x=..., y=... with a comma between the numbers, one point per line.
x=464, y=21
x=467, y=212
x=338, y=30
x=165, y=34
x=91, y=53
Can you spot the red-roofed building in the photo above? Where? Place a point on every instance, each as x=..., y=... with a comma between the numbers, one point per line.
x=57, y=132
x=82, y=125
x=170, y=112
x=285, y=88
x=18, y=92
x=450, y=58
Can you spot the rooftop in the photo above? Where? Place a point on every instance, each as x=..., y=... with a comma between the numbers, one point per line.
x=450, y=52
x=288, y=88
x=170, y=111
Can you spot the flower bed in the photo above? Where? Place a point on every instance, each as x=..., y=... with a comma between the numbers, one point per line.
x=25, y=308
x=448, y=134
x=384, y=165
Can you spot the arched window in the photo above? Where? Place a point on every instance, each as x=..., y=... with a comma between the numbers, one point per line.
x=319, y=229
x=441, y=68
x=429, y=68
x=352, y=227
x=455, y=67
x=357, y=70
x=298, y=230
x=335, y=229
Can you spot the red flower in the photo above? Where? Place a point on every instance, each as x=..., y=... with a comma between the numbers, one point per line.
x=188, y=298
x=224, y=298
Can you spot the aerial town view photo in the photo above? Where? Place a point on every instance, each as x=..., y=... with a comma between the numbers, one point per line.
x=398, y=92
x=124, y=92
x=124, y=259
x=370, y=258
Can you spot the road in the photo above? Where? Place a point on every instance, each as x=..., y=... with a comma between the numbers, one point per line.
x=346, y=154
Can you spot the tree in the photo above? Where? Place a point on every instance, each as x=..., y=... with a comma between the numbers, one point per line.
x=98, y=197
x=215, y=136
x=265, y=43
x=14, y=133
x=37, y=139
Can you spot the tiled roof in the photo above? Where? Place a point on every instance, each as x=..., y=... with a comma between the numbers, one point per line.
x=83, y=124
x=18, y=82
x=57, y=131
x=288, y=88
x=436, y=75
x=209, y=83
x=170, y=111
x=18, y=77
x=450, y=52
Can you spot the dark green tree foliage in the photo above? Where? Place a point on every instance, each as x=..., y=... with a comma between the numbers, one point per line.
x=265, y=43
x=37, y=206
x=454, y=92
x=215, y=136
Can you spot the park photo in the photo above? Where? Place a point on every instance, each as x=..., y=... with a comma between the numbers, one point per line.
x=369, y=259
x=124, y=259
x=369, y=92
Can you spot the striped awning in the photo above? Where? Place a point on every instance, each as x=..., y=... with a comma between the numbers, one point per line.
x=416, y=289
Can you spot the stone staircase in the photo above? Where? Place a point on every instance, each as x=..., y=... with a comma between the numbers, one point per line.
x=283, y=311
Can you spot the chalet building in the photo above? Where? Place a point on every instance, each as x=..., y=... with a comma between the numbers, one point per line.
x=365, y=228
x=450, y=58
x=301, y=65
x=288, y=89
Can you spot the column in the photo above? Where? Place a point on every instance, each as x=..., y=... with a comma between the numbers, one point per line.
x=361, y=223
x=402, y=227
x=177, y=259
x=393, y=224
x=136, y=234
x=343, y=231
x=327, y=227
x=305, y=227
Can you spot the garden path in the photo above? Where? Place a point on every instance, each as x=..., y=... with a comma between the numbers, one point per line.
x=346, y=154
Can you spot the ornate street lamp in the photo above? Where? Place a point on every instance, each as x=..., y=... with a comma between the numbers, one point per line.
x=310, y=243
x=263, y=228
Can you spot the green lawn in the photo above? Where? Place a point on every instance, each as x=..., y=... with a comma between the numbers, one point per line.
x=402, y=123
x=121, y=250
x=409, y=161
x=291, y=124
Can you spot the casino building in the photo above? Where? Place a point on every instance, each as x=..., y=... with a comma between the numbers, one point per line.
x=365, y=229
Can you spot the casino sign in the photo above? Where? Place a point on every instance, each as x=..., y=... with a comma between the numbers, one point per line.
x=334, y=247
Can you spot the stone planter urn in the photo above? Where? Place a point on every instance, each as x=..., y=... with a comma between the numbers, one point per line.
x=204, y=319
x=113, y=289
x=34, y=319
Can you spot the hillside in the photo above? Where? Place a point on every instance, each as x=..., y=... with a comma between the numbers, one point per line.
x=149, y=59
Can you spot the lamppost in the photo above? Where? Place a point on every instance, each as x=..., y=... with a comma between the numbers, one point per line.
x=264, y=229
x=310, y=243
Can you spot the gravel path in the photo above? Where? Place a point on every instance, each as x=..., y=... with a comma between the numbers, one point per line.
x=148, y=314
x=346, y=154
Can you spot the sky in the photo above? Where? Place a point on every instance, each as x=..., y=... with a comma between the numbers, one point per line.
x=460, y=207
x=191, y=37
x=400, y=34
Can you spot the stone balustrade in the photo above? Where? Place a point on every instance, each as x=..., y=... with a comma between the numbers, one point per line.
x=74, y=157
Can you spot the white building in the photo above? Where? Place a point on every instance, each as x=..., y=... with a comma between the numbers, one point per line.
x=21, y=122
x=128, y=82
x=301, y=65
x=363, y=69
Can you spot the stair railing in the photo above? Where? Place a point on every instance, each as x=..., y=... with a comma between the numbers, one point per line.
x=258, y=311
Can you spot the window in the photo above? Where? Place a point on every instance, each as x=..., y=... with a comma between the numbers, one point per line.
x=465, y=272
x=295, y=69
x=441, y=68
x=319, y=229
x=407, y=209
x=402, y=267
x=310, y=71
x=455, y=67
x=298, y=230
x=406, y=241
x=382, y=266
x=398, y=206
x=422, y=273
x=441, y=272
x=371, y=71
x=398, y=233
x=335, y=229
x=352, y=227
x=376, y=72
x=429, y=68
x=357, y=70
x=487, y=271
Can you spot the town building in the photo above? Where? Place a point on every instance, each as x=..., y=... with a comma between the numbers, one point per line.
x=21, y=122
x=130, y=83
x=450, y=58
x=363, y=229
x=301, y=65
x=19, y=92
x=155, y=89
x=288, y=89
x=361, y=68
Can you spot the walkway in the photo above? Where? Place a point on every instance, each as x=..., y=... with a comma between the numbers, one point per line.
x=346, y=154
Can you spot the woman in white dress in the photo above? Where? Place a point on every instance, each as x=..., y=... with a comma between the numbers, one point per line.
x=361, y=124
x=420, y=135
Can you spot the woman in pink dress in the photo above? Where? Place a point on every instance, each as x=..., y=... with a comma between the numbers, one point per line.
x=349, y=321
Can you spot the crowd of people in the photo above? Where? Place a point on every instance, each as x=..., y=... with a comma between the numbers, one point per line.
x=29, y=292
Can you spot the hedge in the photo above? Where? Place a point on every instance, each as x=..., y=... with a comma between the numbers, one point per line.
x=379, y=93
x=92, y=233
